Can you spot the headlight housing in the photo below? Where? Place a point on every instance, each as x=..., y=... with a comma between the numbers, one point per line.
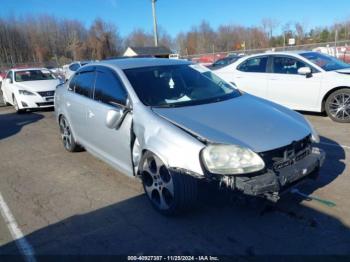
x=26, y=93
x=314, y=135
x=231, y=160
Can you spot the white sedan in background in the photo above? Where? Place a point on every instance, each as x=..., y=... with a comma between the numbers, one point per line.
x=29, y=88
x=302, y=80
x=69, y=70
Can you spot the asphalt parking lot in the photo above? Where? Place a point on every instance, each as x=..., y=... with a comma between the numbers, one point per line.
x=66, y=203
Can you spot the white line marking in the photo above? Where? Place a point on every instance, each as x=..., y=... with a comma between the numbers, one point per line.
x=24, y=247
x=332, y=144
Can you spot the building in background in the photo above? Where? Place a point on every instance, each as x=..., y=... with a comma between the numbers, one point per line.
x=155, y=51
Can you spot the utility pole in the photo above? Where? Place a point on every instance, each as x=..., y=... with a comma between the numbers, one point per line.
x=335, y=42
x=155, y=30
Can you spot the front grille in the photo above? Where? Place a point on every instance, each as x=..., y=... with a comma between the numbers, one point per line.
x=47, y=93
x=279, y=158
x=45, y=104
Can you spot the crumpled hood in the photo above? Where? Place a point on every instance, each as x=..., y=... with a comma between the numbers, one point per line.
x=246, y=120
x=39, y=86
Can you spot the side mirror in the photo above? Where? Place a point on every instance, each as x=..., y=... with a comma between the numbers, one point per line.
x=306, y=71
x=115, y=117
x=8, y=81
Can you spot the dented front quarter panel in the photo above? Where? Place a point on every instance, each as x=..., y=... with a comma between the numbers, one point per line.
x=175, y=147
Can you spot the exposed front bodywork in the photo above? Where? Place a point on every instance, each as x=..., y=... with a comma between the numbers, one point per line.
x=283, y=142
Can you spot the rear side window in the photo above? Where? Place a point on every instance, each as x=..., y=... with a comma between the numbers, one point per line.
x=84, y=83
x=254, y=65
x=108, y=88
x=74, y=67
x=72, y=82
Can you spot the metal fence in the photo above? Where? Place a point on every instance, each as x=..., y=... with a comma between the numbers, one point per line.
x=340, y=49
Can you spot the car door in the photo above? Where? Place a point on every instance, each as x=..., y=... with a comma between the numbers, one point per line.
x=251, y=76
x=112, y=145
x=288, y=88
x=77, y=100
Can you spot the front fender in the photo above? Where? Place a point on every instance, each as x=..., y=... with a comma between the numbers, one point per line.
x=175, y=147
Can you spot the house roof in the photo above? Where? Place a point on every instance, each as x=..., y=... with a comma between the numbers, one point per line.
x=151, y=50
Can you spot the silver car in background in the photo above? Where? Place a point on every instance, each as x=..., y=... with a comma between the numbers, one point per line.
x=172, y=123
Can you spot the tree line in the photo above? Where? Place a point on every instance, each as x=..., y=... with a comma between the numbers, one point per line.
x=46, y=38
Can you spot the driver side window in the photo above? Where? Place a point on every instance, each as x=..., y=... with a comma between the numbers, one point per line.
x=287, y=65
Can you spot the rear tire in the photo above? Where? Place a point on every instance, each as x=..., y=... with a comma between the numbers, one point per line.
x=67, y=136
x=170, y=192
x=338, y=105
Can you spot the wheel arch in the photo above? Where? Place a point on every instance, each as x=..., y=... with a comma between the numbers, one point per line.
x=325, y=97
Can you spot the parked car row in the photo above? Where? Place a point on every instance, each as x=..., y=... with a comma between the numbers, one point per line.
x=172, y=123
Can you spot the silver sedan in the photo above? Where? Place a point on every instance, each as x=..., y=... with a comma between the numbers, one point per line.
x=172, y=123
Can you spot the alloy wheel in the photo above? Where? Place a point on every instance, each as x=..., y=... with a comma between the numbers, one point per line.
x=158, y=182
x=339, y=106
x=65, y=133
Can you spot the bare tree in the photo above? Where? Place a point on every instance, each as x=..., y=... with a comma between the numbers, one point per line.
x=269, y=25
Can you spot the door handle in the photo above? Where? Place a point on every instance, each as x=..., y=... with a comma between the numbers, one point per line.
x=91, y=114
x=68, y=104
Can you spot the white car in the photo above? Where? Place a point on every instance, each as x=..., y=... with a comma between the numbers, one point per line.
x=29, y=88
x=69, y=70
x=303, y=80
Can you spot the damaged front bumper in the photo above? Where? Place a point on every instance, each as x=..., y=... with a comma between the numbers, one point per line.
x=272, y=183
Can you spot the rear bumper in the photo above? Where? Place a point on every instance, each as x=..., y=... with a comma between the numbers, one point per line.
x=272, y=183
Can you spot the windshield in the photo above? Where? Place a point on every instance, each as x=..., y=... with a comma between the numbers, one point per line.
x=33, y=75
x=178, y=85
x=326, y=62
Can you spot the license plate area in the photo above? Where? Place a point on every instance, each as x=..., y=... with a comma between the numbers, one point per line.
x=291, y=159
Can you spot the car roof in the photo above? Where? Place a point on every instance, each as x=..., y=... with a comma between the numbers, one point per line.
x=28, y=68
x=292, y=52
x=141, y=62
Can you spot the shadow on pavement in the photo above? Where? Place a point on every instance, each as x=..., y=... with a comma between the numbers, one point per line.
x=334, y=164
x=132, y=227
x=12, y=123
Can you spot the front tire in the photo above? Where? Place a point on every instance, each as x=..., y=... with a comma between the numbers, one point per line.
x=338, y=105
x=170, y=192
x=67, y=136
x=4, y=100
x=16, y=106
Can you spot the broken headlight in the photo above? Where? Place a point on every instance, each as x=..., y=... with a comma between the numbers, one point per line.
x=231, y=160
